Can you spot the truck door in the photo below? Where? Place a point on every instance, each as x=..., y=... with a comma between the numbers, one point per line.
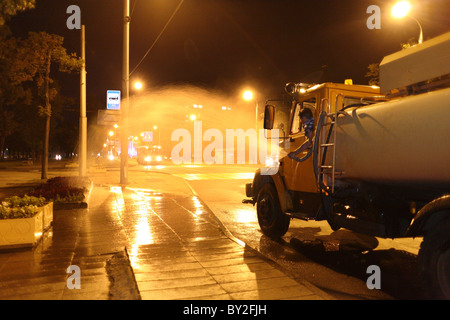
x=299, y=176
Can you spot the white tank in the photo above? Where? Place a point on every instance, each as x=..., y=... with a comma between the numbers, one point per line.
x=404, y=141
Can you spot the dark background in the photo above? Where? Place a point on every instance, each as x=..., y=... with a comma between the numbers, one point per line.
x=229, y=44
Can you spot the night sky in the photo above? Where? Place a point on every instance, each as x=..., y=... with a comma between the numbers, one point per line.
x=229, y=44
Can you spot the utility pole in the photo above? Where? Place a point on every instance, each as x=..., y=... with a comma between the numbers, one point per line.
x=82, y=152
x=125, y=94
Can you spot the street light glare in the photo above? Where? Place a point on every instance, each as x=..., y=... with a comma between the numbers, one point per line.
x=401, y=9
x=138, y=85
x=248, y=95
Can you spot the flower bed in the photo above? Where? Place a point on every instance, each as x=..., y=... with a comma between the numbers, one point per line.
x=23, y=220
x=62, y=190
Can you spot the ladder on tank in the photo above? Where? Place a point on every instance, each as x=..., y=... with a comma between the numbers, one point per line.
x=328, y=169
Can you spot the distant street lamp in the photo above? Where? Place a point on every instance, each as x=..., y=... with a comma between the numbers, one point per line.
x=138, y=85
x=247, y=95
x=401, y=9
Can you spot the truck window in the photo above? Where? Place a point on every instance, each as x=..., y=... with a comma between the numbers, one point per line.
x=296, y=126
x=351, y=101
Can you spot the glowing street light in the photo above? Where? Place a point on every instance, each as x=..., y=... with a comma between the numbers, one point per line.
x=138, y=85
x=400, y=10
x=247, y=95
x=193, y=117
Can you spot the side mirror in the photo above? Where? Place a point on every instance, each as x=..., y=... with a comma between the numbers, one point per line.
x=269, y=117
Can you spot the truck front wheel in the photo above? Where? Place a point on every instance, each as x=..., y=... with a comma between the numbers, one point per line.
x=434, y=261
x=273, y=222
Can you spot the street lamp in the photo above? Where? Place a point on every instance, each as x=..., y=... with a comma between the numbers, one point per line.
x=125, y=93
x=400, y=10
x=247, y=95
x=138, y=85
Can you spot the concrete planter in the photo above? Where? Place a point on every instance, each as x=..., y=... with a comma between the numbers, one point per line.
x=25, y=232
x=47, y=217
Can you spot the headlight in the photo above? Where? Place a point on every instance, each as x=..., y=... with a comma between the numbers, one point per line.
x=158, y=158
x=111, y=157
x=148, y=158
x=271, y=162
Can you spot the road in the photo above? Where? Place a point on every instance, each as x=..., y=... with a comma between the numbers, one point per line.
x=340, y=270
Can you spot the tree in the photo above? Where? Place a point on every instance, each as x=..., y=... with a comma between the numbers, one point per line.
x=7, y=126
x=11, y=75
x=373, y=74
x=9, y=8
x=40, y=51
x=11, y=90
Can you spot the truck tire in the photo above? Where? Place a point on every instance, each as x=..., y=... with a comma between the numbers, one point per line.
x=327, y=206
x=272, y=221
x=434, y=261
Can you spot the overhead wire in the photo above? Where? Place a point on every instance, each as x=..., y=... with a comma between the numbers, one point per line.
x=159, y=36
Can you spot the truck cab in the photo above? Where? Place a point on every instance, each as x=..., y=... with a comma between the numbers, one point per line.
x=327, y=97
x=295, y=182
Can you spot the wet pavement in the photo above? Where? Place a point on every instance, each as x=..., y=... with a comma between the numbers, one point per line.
x=154, y=239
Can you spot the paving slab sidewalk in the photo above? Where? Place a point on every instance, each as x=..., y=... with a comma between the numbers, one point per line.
x=155, y=240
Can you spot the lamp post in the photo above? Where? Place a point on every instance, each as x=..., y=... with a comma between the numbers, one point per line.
x=125, y=93
x=247, y=95
x=401, y=9
x=159, y=135
x=82, y=153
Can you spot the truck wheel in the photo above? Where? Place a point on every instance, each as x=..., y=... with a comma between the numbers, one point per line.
x=327, y=205
x=273, y=222
x=434, y=261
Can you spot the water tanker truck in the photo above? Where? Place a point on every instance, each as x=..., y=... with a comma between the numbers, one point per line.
x=378, y=162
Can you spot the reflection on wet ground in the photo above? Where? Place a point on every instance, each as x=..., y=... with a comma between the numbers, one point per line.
x=335, y=261
x=399, y=273
x=178, y=251
x=136, y=243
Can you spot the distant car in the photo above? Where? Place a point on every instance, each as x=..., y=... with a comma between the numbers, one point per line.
x=152, y=159
x=147, y=155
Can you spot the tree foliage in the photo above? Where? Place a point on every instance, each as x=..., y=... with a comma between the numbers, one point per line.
x=40, y=51
x=373, y=74
x=10, y=8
